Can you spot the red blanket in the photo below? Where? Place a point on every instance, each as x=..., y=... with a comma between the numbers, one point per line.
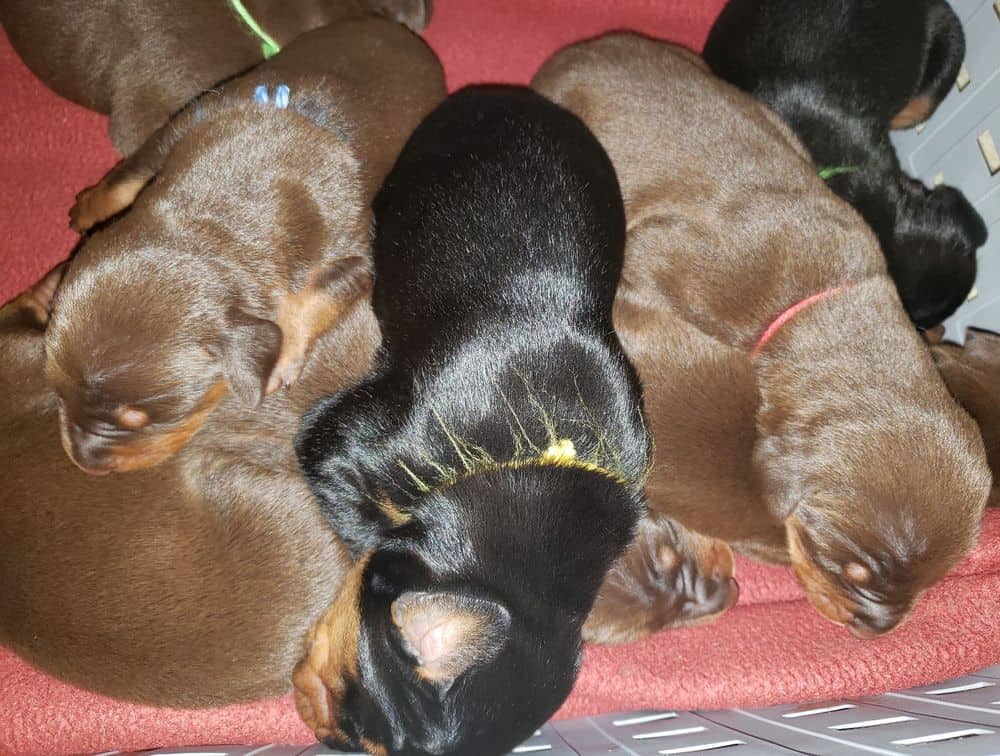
x=771, y=648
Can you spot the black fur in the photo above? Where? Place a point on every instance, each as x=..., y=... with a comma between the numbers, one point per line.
x=498, y=244
x=839, y=71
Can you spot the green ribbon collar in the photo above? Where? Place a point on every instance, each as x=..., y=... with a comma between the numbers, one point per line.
x=827, y=172
x=268, y=46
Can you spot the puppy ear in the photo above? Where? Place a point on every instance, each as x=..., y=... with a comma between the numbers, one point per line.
x=448, y=633
x=415, y=14
x=40, y=296
x=249, y=352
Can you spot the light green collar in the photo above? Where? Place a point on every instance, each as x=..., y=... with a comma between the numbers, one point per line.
x=827, y=172
x=268, y=46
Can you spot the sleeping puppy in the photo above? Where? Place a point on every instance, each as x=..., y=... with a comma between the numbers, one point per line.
x=189, y=585
x=247, y=237
x=842, y=73
x=490, y=471
x=141, y=62
x=877, y=476
x=972, y=374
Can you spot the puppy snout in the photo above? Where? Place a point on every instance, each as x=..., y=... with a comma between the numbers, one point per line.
x=89, y=451
x=877, y=620
x=335, y=743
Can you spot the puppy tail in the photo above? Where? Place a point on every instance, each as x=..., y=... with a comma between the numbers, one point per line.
x=945, y=51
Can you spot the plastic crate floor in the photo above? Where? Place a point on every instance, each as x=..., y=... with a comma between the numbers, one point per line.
x=960, y=717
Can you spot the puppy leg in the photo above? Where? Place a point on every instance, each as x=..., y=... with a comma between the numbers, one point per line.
x=669, y=577
x=122, y=184
x=306, y=314
x=106, y=198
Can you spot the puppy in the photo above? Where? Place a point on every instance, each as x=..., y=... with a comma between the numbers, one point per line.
x=490, y=471
x=972, y=374
x=141, y=62
x=189, y=585
x=842, y=73
x=247, y=238
x=877, y=476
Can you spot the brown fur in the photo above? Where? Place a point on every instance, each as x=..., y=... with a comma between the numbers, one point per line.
x=858, y=452
x=972, y=374
x=141, y=62
x=251, y=241
x=191, y=584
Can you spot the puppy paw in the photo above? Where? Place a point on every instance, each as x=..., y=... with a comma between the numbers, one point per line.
x=286, y=372
x=101, y=201
x=669, y=577
x=330, y=662
x=313, y=699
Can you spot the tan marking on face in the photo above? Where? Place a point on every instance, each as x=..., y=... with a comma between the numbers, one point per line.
x=373, y=748
x=147, y=452
x=392, y=512
x=132, y=418
x=100, y=202
x=331, y=658
x=857, y=573
x=143, y=452
x=916, y=111
x=822, y=593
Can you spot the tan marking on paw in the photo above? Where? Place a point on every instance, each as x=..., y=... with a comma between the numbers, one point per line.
x=302, y=317
x=101, y=201
x=331, y=658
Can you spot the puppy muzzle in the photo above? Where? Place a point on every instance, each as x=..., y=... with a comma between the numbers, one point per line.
x=871, y=620
x=88, y=451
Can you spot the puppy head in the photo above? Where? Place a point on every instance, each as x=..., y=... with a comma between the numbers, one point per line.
x=932, y=253
x=461, y=634
x=886, y=519
x=139, y=362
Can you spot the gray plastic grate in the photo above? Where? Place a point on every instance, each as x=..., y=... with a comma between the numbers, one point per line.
x=960, y=146
x=959, y=717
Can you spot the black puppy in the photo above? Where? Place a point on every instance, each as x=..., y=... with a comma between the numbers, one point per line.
x=842, y=73
x=491, y=471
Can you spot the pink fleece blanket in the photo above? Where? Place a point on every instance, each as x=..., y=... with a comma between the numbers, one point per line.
x=771, y=648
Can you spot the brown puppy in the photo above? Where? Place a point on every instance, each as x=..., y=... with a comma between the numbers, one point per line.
x=141, y=62
x=972, y=374
x=877, y=475
x=192, y=584
x=248, y=237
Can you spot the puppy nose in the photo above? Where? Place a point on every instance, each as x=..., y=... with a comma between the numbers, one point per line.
x=90, y=451
x=868, y=625
x=336, y=744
